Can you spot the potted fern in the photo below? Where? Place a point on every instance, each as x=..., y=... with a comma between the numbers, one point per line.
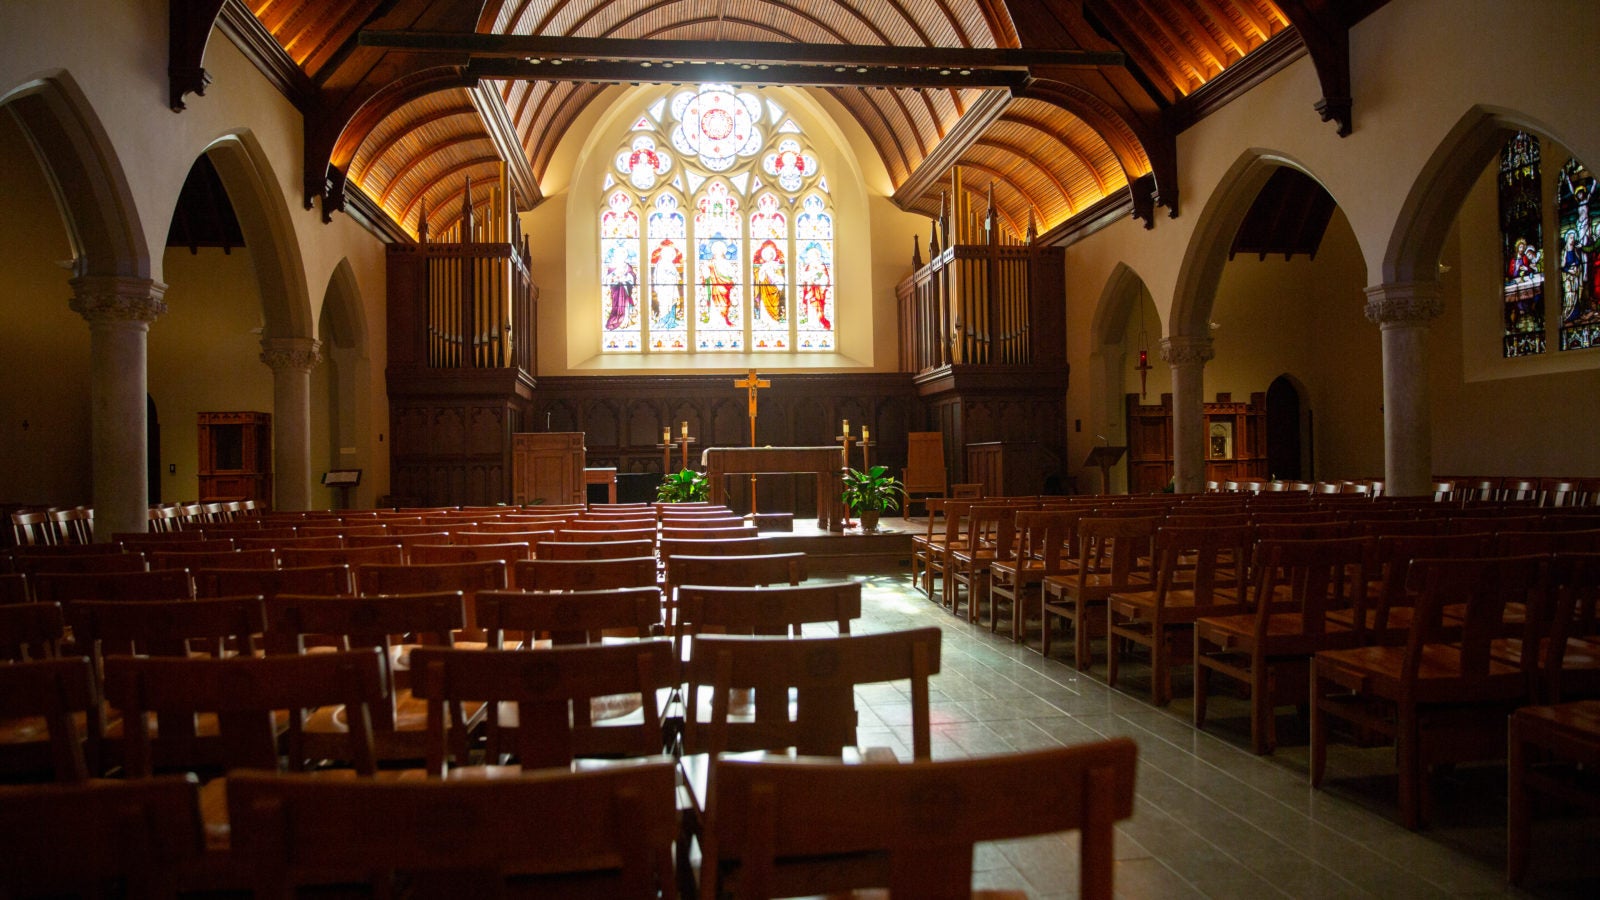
x=869, y=493
x=682, y=487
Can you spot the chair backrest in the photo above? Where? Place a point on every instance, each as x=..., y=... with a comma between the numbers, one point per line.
x=325, y=581
x=34, y=528
x=52, y=690
x=297, y=543
x=606, y=534
x=1117, y=548
x=611, y=827
x=467, y=577
x=552, y=690
x=992, y=527
x=1312, y=578
x=167, y=584
x=674, y=533
x=32, y=564
x=586, y=575
x=578, y=550
x=1201, y=559
x=31, y=631
x=740, y=546
x=259, y=558
x=570, y=617
x=305, y=557
x=612, y=523
x=143, y=835
x=705, y=523
x=1485, y=585
x=245, y=692
x=515, y=535
x=769, y=610
x=766, y=568
x=508, y=553
x=925, y=816
x=823, y=672
x=1048, y=537
x=219, y=626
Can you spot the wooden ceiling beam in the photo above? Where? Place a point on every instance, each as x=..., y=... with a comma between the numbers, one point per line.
x=803, y=75
x=772, y=53
x=1202, y=36
x=1216, y=13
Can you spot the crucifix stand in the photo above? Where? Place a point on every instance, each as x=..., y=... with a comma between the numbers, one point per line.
x=751, y=383
x=847, y=440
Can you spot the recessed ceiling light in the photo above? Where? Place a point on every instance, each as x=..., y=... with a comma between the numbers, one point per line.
x=944, y=71
x=645, y=65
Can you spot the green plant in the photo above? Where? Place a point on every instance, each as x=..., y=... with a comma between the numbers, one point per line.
x=682, y=487
x=874, y=489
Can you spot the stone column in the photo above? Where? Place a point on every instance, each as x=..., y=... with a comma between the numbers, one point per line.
x=119, y=311
x=1187, y=357
x=1403, y=312
x=291, y=360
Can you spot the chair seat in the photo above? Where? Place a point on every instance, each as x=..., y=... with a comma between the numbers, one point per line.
x=1179, y=605
x=1377, y=671
x=1285, y=634
x=1094, y=586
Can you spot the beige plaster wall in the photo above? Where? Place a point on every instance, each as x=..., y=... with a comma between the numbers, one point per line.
x=44, y=345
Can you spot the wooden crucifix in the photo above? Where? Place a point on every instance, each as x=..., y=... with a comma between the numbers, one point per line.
x=752, y=383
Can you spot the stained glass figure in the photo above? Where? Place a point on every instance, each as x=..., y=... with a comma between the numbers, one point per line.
x=1578, y=242
x=769, y=236
x=1522, y=246
x=814, y=274
x=666, y=238
x=619, y=274
x=719, y=279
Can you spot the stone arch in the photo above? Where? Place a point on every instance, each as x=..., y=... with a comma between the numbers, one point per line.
x=348, y=395
x=1430, y=208
x=258, y=201
x=1201, y=270
x=85, y=175
x=1123, y=289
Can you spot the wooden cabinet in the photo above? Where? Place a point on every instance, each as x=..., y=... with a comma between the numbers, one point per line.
x=1235, y=441
x=236, y=456
x=547, y=467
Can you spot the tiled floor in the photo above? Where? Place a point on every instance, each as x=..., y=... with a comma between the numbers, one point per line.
x=1211, y=819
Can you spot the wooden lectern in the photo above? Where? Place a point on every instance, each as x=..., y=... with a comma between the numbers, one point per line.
x=1104, y=458
x=547, y=467
x=924, y=472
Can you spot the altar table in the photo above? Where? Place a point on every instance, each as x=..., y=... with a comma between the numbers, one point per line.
x=826, y=462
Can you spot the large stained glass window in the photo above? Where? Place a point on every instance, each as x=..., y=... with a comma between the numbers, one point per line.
x=1578, y=248
x=1522, y=246
x=736, y=252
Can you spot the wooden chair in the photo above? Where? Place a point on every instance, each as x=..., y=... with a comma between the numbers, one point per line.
x=586, y=575
x=1114, y=554
x=595, y=833
x=991, y=535
x=507, y=536
x=248, y=697
x=927, y=548
x=924, y=817
x=167, y=584
x=1294, y=586
x=319, y=581
x=103, y=838
x=406, y=541
x=31, y=631
x=571, y=617
x=87, y=563
x=544, y=699
x=34, y=529
x=1044, y=549
x=733, y=571
x=1200, y=572
x=391, y=623
x=619, y=534
x=285, y=545
x=673, y=533
x=744, y=546
x=956, y=514
x=309, y=557
x=822, y=674
x=592, y=550
x=1550, y=753
x=42, y=705
x=1441, y=702
x=1388, y=617
x=765, y=610
x=508, y=553
x=469, y=578
x=226, y=559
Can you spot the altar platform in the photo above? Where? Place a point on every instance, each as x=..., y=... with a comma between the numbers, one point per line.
x=852, y=551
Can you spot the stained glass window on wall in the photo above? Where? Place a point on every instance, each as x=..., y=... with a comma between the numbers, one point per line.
x=619, y=274
x=1522, y=246
x=814, y=273
x=719, y=279
x=1578, y=246
x=736, y=251
x=669, y=317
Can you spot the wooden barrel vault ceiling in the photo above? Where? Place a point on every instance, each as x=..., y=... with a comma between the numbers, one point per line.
x=401, y=111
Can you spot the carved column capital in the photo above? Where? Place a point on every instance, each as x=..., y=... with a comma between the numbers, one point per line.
x=1410, y=303
x=1183, y=350
x=291, y=352
x=115, y=298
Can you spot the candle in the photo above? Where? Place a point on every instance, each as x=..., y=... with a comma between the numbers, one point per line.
x=846, y=427
x=685, y=427
x=666, y=434
x=863, y=434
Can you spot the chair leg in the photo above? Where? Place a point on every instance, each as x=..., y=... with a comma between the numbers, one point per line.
x=1044, y=626
x=1260, y=707
x=1202, y=677
x=1160, y=668
x=1319, y=730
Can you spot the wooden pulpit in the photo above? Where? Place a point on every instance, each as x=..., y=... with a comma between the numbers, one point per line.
x=925, y=473
x=1103, y=458
x=547, y=467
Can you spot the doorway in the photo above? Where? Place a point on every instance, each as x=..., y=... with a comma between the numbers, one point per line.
x=1283, y=430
